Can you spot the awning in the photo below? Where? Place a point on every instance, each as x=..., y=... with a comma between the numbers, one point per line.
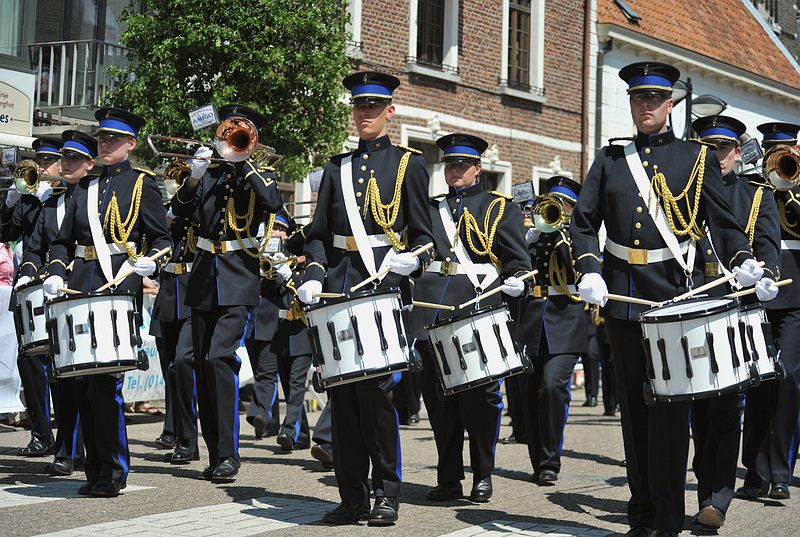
x=16, y=140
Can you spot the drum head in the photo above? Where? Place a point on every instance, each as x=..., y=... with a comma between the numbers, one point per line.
x=467, y=315
x=353, y=296
x=67, y=298
x=688, y=309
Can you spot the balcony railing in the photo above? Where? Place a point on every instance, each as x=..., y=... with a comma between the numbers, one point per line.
x=74, y=74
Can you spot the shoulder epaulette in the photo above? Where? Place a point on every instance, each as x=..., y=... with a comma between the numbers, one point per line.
x=501, y=195
x=621, y=139
x=410, y=149
x=145, y=171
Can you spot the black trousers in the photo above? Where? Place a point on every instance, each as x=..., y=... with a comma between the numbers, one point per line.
x=656, y=438
x=771, y=411
x=265, y=384
x=477, y=410
x=547, y=407
x=516, y=392
x=591, y=370
x=67, y=394
x=406, y=395
x=34, y=372
x=716, y=425
x=365, y=430
x=323, y=433
x=105, y=435
x=610, y=399
x=216, y=336
x=293, y=372
x=176, y=354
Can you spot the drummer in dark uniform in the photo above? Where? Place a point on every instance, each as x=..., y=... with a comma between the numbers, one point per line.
x=79, y=151
x=228, y=201
x=20, y=217
x=716, y=420
x=390, y=185
x=639, y=262
x=771, y=428
x=491, y=234
x=553, y=328
x=129, y=226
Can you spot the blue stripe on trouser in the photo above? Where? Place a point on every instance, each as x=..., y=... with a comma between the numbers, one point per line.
x=75, y=434
x=236, y=386
x=122, y=444
x=499, y=406
x=566, y=414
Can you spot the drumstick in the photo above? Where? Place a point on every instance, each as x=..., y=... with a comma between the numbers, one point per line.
x=494, y=291
x=709, y=285
x=632, y=300
x=752, y=290
x=127, y=269
x=431, y=305
x=327, y=295
x=68, y=291
x=383, y=272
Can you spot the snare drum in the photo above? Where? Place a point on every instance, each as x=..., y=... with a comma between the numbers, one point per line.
x=476, y=348
x=29, y=302
x=755, y=336
x=358, y=336
x=694, y=350
x=94, y=333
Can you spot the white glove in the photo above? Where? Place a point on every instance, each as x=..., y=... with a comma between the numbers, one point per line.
x=199, y=167
x=22, y=281
x=283, y=272
x=513, y=286
x=144, y=266
x=52, y=284
x=13, y=197
x=44, y=191
x=306, y=291
x=766, y=289
x=593, y=289
x=748, y=273
x=532, y=235
x=402, y=264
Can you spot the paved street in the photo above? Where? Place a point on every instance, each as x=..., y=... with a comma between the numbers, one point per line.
x=280, y=494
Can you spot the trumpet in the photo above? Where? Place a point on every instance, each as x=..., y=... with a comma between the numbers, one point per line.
x=176, y=173
x=782, y=167
x=27, y=177
x=268, y=264
x=549, y=213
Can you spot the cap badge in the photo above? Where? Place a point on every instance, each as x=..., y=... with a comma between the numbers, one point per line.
x=365, y=78
x=646, y=68
x=714, y=122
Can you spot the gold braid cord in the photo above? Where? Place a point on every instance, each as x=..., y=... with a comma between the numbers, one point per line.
x=233, y=218
x=557, y=273
x=670, y=200
x=750, y=229
x=120, y=231
x=385, y=214
x=788, y=227
x=486, y=235
x=191, y=240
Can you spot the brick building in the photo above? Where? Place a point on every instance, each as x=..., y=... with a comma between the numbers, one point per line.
x=783, y=17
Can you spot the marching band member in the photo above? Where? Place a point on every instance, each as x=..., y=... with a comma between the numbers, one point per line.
x=20, y=216
x=364, y=420
x=771, y=428
x=716, y=420
x=646, y=258
x=229, y=202
x=486, y=227
x=554, y=329
x=128, y=210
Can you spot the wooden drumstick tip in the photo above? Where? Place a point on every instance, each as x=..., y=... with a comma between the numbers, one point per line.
x=68, y=291
x=327, y=295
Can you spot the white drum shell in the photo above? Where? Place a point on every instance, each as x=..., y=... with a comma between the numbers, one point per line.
x=754, y=316
x=477, y=373
x=31, y=299
x=106, y=357
x=375, y=360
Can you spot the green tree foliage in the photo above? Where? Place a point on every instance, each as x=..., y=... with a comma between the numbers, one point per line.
x=285, y=58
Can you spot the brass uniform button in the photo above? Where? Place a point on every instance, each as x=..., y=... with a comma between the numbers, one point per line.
x=360, y=180
x=638, y=209
x=365, y=157
x=638, y=225
x=709, y=252
x=363, y=168
x=647, y=150
x=639, y=194
x=645, y=163
x=636, y=242
x=358, y=194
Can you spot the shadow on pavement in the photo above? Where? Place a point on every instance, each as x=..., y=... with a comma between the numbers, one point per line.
x=500, y=522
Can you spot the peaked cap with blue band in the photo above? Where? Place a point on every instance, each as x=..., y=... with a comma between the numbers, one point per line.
x=234, y=110
x=460, y=147
x=370, y=86
x=778, y=133
x=116, y=121
x=719, y=129
x=80, y=143
x=649, y=77
x=47, y=147
x=564, y=187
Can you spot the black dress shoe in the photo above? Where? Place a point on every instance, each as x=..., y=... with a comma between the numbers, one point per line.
x=665, y=533
x=749, y=493
x=226, y=470
x=37, y=448
x=413, y=418
x=166, y=441
x=384, y=512
x=207, y=472
x=185, y=453
x=481, y=491
x=590, y=402
x=640, y=531
x=446, y=491
x=610, y=413
x=779, y=491
x=106, y=488
x=346, y=513
x=324, y=454
x=510, y=439
x=260, y=426
x=547, y=478
x=709, y=518
x=286, y=442
x=60, y=467
x=86, y=488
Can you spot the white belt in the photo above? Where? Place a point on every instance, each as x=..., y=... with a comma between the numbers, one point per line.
x=348, y=242
x=790, y=245
x=222, y=247
x=178, y=268
x=640, y=256
x=283, y=314
x=450, y=268
x=89, y=253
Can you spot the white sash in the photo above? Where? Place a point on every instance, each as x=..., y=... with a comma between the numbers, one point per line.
x=656, y=212
x=96, y=228
x=461, y=254
x=60, y=210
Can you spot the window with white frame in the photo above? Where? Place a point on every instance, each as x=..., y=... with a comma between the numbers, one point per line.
x=433, y=38
x=353, y=28
x=522, y=66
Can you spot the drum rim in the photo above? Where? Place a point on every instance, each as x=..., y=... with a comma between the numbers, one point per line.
x=67, y=298
x=463, y=316
x=350, y=297
x=33, y=283
x=751, y=306
x=729, y=305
